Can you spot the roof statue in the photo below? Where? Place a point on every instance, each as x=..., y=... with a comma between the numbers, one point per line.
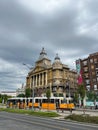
x=43, y=54
x=57, y=57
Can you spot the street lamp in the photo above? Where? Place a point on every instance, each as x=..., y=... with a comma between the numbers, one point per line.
x=28, y=66
x=50, y=89
x=32, y=95
x=32, y=86
x=68, y=88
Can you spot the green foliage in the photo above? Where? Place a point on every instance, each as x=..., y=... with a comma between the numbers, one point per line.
x=91, y=95
x=28, y=92
x=83, y=118
x=81, y=91
x=21, y=95
x=76, y=97
x=3, y=97
x=48, y=94
x=0, y=100
x=36, y=113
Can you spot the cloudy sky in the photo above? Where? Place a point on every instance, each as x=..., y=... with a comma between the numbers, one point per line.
x=66, y=27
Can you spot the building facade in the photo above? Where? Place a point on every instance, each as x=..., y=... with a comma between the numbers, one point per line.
x=88, y=71
x=54, y=76
x=20, y=90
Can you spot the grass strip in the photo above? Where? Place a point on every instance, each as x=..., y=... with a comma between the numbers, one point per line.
x=83, y=118
x=31, y=112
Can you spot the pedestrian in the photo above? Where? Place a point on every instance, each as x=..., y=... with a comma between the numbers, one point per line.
x=71, y=110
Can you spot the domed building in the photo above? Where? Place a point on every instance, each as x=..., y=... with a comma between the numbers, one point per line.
x=54, y=76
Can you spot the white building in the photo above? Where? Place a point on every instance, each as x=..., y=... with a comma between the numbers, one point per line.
x=8, y=93
x=20, y=90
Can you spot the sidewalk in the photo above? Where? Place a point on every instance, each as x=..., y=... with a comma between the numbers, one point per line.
x=77, y=111
x=2, y=105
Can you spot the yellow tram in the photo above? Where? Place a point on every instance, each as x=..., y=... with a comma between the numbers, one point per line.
x=54, y=103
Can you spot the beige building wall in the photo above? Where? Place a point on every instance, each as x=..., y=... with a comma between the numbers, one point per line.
x=54, y=76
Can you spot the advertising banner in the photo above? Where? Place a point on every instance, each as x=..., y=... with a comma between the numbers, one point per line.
x=79, y=71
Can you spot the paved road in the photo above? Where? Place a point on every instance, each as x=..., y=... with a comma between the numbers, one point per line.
x=12, y=121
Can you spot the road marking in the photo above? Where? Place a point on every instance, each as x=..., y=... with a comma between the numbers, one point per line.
x=67, y=124
x=36, y=123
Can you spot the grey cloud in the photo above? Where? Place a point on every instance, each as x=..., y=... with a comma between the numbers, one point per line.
x=24, y=32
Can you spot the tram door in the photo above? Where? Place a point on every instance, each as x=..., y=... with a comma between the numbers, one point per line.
x=57, y=103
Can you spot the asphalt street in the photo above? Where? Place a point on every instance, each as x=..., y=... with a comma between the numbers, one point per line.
x=12, y=121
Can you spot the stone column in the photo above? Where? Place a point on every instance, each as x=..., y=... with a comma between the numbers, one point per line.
x=30, y=82
x=39, y=79
x=33, y=80
x=42, y=79
x=46, y=78
x=36, y=80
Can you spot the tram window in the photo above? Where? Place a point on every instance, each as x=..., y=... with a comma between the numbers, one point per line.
x=39, y=100
x=45, y=100
x=13, y=102
x=36, y=100
x=70, y=101
x=52, y=100
x=27, y=100
x=57, y=102
x=31, y=100
x=17, y=100
x=24, y=100
x=64, y=101
x=67, y=95
x=21, y=101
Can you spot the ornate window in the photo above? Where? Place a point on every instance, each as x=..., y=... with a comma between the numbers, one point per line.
x=91, y=60
x=85, y=62
x=87, y=81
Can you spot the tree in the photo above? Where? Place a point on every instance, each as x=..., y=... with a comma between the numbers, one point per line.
x=91, y=95
x=48, y=95
x=21, y=95
x=76, y=97
x=28, y=92
x=3, y=98
x=82, y=92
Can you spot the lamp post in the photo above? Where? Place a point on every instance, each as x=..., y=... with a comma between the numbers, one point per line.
x=68, y=88
x=79, y=100
x=50, y=89
x=32, y=86
x=28, y=66
x=32, y=95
